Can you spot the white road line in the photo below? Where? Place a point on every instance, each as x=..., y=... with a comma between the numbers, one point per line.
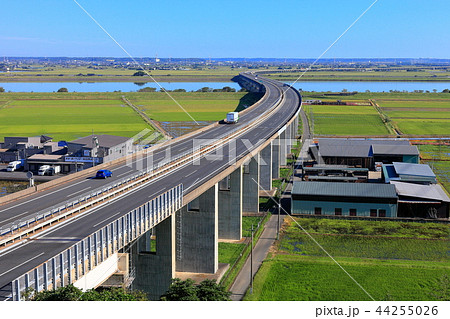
x=40, y=197
x=83, y=190
x=161, y=190
x=15, y=216
x=191, y=173
x=124, y=174
x=22, y=264
x=104, y=221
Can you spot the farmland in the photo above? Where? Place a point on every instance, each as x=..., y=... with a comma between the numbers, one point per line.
x=68, y=119
x=388, y=259
x=438, y=157
x=67, y=116
x=194, y=71
x=413, y=114
x=205, y=106
x=335, y=120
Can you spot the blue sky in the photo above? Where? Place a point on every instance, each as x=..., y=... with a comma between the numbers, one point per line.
x=231, y=28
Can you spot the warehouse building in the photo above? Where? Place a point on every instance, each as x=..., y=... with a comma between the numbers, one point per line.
x=344, y=199
x=14, y=148
x=365, y=153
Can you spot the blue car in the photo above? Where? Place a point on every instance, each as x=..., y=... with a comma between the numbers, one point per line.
x=103, y=173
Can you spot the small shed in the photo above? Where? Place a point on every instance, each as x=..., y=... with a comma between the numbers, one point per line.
x=422, y=201
x=407, y=172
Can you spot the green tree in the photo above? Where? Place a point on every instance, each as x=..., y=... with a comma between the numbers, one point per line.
x=147, y=89
x=186, y=290
x=181, y=290
x=139, y=73
x=2, y=89
x=67, y=293
x=72, y=293
x=63, y=90
x=209, y=290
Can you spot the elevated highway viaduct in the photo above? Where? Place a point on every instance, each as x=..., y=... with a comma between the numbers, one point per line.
x=207, y=180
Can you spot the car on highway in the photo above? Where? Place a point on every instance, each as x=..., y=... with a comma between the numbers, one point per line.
x=103, y=173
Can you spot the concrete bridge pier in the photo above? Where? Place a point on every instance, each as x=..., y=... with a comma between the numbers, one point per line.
x=296, y=127
x=197, y=234
x=250, y=181
x=288, y=138
x=154, y=270
x=230, y=206
x=283, y=148
x=276, y=158
x=265, y=168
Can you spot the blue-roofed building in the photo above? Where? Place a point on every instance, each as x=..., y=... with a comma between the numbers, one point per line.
x=344, y=199
x=407, y=172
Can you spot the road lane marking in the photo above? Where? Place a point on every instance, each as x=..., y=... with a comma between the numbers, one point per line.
x=40, y=197
x=21, y=264
x=191, y=173
x=83, y=190
x=104, y=221
x=161, y=190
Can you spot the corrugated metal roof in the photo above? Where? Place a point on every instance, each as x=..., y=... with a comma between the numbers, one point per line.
x=103, y=140
x=344, y=189
x=413, y=169
x=342, y=147
x=347, y=141
x=386, y=149
x=328, y=150
x=432, y=191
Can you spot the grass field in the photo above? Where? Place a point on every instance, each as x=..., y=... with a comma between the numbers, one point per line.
x=319, y=72
x=287, y=277
x=418, y=117
x=438, y=157
x=69, y=119
x=391, y=260
x=67, y=116
x=345, y=120
x=416, y=114
x=201, y=106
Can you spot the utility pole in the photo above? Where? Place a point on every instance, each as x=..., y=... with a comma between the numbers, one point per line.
x=251, y=264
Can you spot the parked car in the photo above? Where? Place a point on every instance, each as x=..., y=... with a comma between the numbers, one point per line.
x=44, y=170
x=103, y=173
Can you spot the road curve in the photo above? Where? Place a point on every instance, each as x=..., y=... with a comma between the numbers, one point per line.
x=31, y=253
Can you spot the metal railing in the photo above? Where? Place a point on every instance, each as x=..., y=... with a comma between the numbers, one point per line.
x=74, y=262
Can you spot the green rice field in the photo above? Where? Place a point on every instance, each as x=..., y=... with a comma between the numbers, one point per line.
x=205, y=106
x=338, y=120
x=291, y=277
x=68, y=119
x=438, y=158
x=390, y=260
x=418, y=117
x=417, y=114
x=67, y=116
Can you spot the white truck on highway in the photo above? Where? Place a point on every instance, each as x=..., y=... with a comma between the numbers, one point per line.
x=232, y=117
x=15, y=165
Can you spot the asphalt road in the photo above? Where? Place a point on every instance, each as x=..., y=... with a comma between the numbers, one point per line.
x=29, y=254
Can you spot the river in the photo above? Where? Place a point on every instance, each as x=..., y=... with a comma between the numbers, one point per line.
x=318, y=86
